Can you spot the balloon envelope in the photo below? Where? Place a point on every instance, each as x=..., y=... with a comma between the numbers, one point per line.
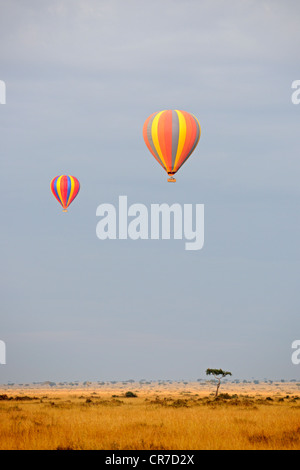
x=171, y=136
x=65, y=188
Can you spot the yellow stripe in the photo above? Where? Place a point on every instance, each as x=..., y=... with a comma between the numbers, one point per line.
x=182, y=136
x=58, y=189
x=72, y=189
x=155, y=136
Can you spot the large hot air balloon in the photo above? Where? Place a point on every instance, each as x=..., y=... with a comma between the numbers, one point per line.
x=65, y=188
x=171, y=136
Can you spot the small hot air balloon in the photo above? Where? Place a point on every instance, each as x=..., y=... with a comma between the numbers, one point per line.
x=171, y=136
x=65, y=188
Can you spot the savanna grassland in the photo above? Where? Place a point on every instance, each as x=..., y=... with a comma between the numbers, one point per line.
x=159, y=417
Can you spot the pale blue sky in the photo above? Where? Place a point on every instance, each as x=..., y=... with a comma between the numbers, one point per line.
x=81, y=78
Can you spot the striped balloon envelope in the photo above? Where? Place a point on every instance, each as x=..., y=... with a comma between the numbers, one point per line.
x=171, y=136
x=65, y=188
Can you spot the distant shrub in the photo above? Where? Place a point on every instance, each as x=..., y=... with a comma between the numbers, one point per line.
x=226, y=396
x=130, y=395
x=179, y=403
x=4, y=397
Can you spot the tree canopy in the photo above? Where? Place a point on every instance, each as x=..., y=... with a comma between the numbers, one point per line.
x=218, y=374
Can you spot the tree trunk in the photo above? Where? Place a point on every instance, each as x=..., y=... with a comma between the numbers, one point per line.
x=218, y=386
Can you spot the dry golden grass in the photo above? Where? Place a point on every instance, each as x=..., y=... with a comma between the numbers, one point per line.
x=160, y=418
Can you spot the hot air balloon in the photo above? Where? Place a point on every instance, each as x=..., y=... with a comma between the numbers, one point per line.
x=171, y=136
x=65, y=188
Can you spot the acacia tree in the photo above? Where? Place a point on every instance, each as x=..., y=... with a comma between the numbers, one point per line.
x=218, y=375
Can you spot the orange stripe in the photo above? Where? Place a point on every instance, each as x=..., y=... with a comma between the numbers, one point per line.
x=155, y=137
x=161, y=133
x=145, y=135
